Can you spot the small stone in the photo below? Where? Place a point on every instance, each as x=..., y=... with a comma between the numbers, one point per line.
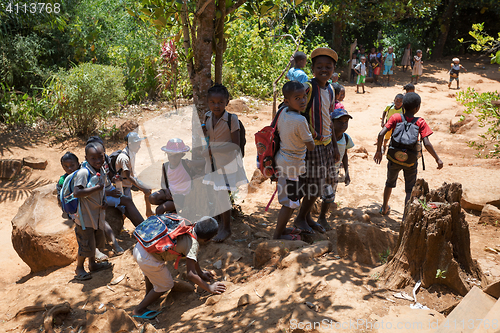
x=218, y=264
x=35, y=162
x=366, y=218
x=490, y=215
x=244, y=300
x=261, y=234
x=212, y=300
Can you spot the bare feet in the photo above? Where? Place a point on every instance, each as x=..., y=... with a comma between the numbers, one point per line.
x=222, y=235
x=324, y=224
x=300, y=223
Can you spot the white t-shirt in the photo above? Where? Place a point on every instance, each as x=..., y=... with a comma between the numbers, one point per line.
x=343, y=145
x=124, y=163
x=326, y=102
x=361, y=68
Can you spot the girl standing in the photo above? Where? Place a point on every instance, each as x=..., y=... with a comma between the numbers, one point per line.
x=224, y=169
x=417, y=67
x=406, y=61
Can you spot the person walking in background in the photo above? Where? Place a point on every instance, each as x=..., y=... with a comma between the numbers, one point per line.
x=406, y=61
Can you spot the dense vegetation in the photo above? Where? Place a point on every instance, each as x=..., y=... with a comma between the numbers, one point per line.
x=250, y=44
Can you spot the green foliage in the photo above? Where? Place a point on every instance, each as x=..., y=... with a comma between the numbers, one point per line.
x=83, y=96
x=440, y=274
x=424, y=204
x=488, y=116
x=18, y=108
x=484, y=42
x=384, y=256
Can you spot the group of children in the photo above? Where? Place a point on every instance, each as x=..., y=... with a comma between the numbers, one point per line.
x=313, y=146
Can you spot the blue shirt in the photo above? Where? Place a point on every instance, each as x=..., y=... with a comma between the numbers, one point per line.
x=297, y=74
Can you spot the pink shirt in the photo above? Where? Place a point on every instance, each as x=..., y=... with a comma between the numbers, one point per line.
x=179, y=181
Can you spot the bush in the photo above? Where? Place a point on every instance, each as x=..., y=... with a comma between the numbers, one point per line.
x=83, y=96
x=18, y=108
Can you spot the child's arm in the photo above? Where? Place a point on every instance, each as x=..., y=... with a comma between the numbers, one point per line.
x=82, y=192
x=463, y=68
x=336, y=153
x=196, y=275
x=383, y=118
x=135, y=181
x=345, y=163
x=431, y=150
x=378, y=155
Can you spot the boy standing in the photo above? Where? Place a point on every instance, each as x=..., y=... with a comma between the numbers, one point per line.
x=411, y=104
x=89, y=185
x=388, y=64
x=320, y=174
x=295, y=139
x=296, y=73
x=361, y=71
x=455, y=71
x=391, y=109
x=157, y=276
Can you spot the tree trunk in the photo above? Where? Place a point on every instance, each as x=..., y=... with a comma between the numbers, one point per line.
x=434, y=243
x=220, y=41
x=337, y=36
x=444, y=29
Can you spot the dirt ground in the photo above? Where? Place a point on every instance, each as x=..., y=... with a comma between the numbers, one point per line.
x=342, y=289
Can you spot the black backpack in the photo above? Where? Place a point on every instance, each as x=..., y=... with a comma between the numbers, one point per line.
x=403, y=148
x=243, y=139
x=112, y=162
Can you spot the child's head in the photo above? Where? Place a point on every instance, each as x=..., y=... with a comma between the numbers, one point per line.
x=373, y=50
x=363, y=59
x=409, y=87
x=335, y=77
x=408, y=46
x=354, y=56
x=94, y=154
x=133, y=141
x=340, y=119
x=218, y=99
x=300, y=59
x=380, y=48
x=456, y=61
x=323, y=63
x=390, y=49
x=175, y=149
x=419, y=53
x=69, y=162
x=295, y=96
x=398, y=101
x=206, y=228
x=362, y=50
x=339, y=92
x=411, y=102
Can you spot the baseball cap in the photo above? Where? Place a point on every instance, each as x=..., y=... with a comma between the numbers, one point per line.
x=133, y=137
x=325, y=51
x=337, y=113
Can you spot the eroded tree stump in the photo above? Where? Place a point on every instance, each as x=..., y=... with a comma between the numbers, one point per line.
x=434, y=243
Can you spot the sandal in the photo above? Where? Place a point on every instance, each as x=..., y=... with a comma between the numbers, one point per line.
x=386, y=212
x=101, y=267
x=83, y=276
x=99, y=256
x=308, y=231
x=292, y=231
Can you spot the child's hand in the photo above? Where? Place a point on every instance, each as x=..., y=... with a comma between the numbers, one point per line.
x=104, y=205
x=114, y=193
x=439, y=163
x=217, y=288
x=347, y=179
x=382, y=124
x=336, y=155
x=378, y=157
x=207, y=275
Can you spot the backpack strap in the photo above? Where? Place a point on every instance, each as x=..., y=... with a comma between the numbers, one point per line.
x=229, y=115
x=164, y=169
x=79, y=201
x=187, y=168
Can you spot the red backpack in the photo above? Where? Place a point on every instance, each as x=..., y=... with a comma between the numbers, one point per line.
x=268, y=144
x=158, y=233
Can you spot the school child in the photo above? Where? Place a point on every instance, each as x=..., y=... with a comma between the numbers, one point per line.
x=391, y=109
x=320, y=172
x=176, y=178
x=224, y=167
x=455, y=71
x=69, y=163
x=353, y=62
x=402, y=161
x=417, y=66
x=295, y=140
x=157, y=277
x=372, y=62
x=334, y=79
x=296, y=73
x=360, y=70
x=409, y=87
x=361, y=53
x=339, y=95
x=389, y=60
x=125, y=164
x=89, y=185
x=406, y=61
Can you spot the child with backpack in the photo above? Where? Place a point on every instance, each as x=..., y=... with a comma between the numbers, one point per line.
x=224, y=167
x=89, y=185
x=320, y=175
x=389, y=111
x=70, y=164
x=403, y=149
x=157, y=277
x=361, y=72
x=176, y=178
x=296, y=73
x=295, y=140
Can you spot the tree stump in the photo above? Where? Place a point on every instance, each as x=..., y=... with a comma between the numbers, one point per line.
x=434, y=243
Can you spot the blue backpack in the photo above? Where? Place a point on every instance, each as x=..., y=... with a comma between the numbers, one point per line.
x=69, y=203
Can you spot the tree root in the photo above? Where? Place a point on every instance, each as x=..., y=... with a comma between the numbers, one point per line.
x=49, y=316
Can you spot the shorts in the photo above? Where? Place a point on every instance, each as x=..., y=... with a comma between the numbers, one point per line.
x=289, y=192
x=388, y=135
x=410, y=174
x=320, y=171
x=161, y=197
x=155, y=270
x=387, y=70
x=361, y=79
x=88, y=240
x=113, y=201
x=376, y=71
x=453, y=78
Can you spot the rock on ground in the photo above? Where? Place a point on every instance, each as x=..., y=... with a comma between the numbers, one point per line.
x=35, y=162
x=476, y=197
x=10, y=168
x=490, y=215
x=40, y=235
x=274, y=249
